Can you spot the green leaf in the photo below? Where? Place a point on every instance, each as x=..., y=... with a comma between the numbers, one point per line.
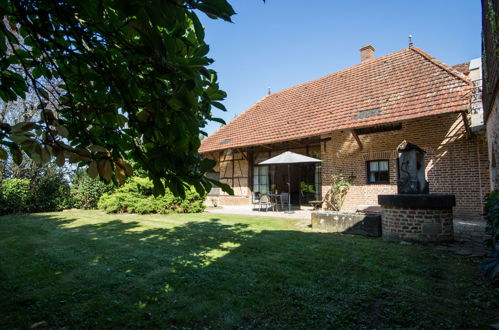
x=105, y=169
x=17, y=156
x=126, y=167
x=44, y=155
x=37, y=73
x=219, y=105
x=121, y=120
x=18, y=138
x=61, y=130
x=225, y=187
x=206, y=165
x=198, y=27
x=120, y=175
x=59, y=159
x=218, y=120
x=92, y=170
x=159, y=188
x=43, y=93
x=95, y=148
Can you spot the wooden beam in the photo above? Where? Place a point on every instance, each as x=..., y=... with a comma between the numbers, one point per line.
x=296, y=143
x=242, y=153
x=356, y=137
x=289, y=145
x=466, y=124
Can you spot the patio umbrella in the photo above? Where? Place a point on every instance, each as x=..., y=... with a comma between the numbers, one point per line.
x=288, y=158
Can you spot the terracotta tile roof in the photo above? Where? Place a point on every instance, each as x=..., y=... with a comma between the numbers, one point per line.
x=464, y=68
x=403, y=85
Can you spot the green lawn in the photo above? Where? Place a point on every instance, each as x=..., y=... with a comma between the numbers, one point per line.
x=87, y=269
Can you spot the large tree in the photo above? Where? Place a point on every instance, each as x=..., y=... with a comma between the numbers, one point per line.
x=114, y=80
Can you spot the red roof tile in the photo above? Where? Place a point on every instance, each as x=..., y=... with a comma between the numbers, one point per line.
x=464, y=68
x=403, y=85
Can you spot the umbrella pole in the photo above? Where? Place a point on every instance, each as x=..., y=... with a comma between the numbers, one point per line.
x=289, y=193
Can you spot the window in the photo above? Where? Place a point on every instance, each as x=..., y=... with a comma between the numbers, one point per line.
x=261, y=179
x=377, y=171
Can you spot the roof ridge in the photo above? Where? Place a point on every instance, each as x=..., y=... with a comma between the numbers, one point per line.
x=440, y=64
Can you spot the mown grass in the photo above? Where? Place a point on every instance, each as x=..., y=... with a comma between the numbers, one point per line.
x=91, y=270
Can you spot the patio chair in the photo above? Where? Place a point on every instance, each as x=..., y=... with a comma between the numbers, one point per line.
x=256, y=200
x=266, y=202
x=284, y=200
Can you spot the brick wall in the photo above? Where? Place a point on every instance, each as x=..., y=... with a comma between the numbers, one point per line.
x=455, y=164
x=424, y=225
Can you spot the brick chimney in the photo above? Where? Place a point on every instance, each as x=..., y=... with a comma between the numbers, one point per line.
x=366, y=53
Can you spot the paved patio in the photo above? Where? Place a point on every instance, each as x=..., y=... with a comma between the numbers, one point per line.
x=303, y=213
x=468, y=235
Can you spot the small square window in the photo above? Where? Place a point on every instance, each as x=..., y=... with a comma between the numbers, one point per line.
x=378, y=172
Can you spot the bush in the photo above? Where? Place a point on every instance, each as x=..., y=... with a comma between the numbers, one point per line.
x=86, y=191
x=50, y=192
x=335, y=196
x=14, y=195
x=136, y=196
x=491, y=213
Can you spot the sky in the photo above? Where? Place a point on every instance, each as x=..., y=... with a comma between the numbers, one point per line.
x=282, y=43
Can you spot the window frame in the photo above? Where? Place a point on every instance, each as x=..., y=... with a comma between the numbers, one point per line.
x=368, y=171
x=257, y=179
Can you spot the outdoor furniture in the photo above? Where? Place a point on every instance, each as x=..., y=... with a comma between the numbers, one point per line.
x=266, y=202
x=275, y=199
x=284, y=199
x=289, y=158
x=316, y=204
x=256, y=199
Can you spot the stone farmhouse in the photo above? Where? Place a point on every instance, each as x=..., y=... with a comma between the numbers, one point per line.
x=353, y=120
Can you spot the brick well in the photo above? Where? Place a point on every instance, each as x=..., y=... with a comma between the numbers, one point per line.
x=423, y=225
x=417, y=217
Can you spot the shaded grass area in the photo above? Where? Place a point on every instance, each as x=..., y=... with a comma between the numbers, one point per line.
x=87, y=269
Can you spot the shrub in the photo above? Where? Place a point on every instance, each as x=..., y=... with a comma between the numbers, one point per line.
x=136, y=196
x=491, y=213
x=14, y=195
x=335, y=196
x=86, y=191
x=50, y=192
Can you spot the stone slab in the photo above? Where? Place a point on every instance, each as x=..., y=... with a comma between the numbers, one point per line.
x=431, y=228
x=418, y=201
x=347, y=222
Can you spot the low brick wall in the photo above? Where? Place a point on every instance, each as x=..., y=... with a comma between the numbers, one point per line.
x=347, y=222
x=422, y=225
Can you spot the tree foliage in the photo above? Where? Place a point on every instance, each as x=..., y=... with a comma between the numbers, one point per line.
x=114, y=80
